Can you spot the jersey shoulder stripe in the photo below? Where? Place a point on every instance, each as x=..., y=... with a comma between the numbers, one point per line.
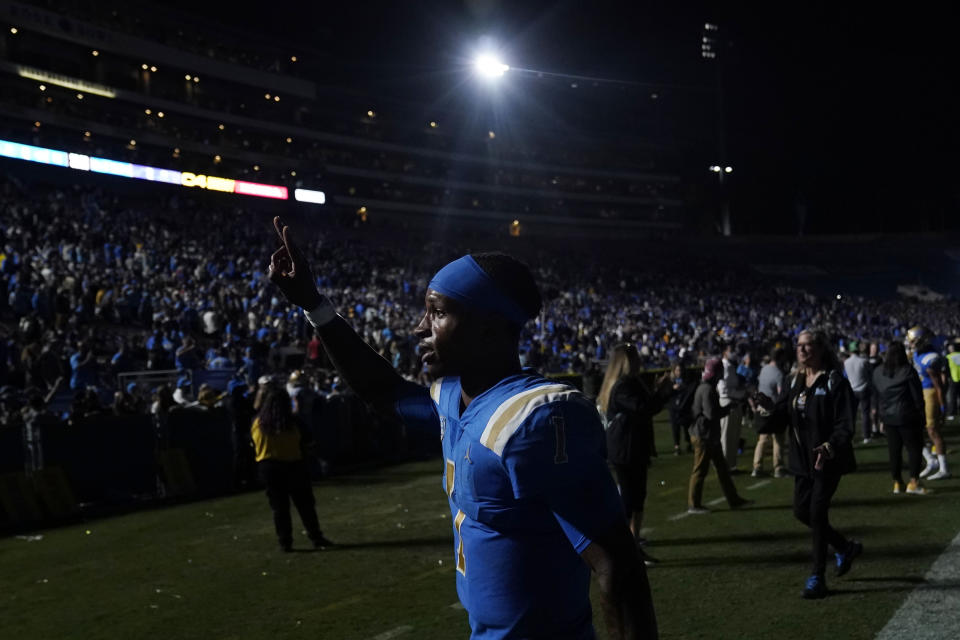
x=512, y=412
x=435, y=390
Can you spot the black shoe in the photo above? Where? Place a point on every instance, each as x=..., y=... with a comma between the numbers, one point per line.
x=321, y=542
x=845, y=559
x=815, y=588
x=286, y=548
x=741, y=503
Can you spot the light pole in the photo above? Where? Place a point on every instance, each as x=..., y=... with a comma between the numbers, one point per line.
x=724, y=201
x=709, y=50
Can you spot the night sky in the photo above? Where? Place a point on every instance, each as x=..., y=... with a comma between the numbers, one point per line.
x=849, y=111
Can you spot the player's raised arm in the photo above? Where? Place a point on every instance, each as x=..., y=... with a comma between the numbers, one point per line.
x=367, y=373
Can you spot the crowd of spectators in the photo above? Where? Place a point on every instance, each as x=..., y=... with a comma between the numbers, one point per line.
x=93, y=284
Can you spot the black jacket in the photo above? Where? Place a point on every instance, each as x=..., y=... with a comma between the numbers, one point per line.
x=630, y=412
x=818, y=414
x=707, y=413
x=900, y=397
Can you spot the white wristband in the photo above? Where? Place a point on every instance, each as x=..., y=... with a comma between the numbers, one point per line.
x=322, y=314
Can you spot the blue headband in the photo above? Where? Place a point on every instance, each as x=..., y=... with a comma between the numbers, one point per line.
x=465, y=281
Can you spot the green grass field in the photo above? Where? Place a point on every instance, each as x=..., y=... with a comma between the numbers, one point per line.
x=212, y=569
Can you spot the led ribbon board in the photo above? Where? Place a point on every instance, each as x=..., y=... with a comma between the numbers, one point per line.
x=66, y=81
x=82, y=162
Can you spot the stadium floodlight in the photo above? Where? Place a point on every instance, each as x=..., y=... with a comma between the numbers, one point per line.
x=489, y=66
x=715, y=168
x=728, y=169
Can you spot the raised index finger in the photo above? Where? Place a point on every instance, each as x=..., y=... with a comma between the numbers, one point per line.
x=292, y=249
x=278, y=226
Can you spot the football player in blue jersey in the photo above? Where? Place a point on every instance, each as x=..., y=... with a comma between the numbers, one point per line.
x=933, y=377
x=533, y=505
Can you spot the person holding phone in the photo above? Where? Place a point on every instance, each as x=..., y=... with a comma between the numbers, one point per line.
x=821, y=452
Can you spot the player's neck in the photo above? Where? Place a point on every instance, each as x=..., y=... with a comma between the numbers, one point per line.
x=484, y=376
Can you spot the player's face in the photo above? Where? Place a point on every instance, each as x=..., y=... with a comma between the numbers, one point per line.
x=445, y=334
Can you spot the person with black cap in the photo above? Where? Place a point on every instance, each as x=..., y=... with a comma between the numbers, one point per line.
x=532, y=502
x=705, y=437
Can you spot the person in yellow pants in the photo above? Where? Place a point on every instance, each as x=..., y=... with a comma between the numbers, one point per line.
x=932, y=370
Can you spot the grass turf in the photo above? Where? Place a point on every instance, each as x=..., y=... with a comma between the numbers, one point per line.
x=212, y=569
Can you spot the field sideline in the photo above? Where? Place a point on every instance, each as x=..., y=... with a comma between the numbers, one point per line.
x=212, y=569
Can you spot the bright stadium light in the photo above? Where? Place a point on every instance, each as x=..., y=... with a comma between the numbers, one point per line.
x=489, y=66
x=728, y=169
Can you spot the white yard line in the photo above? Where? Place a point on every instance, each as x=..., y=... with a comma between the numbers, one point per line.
x=762, y=483
x=716, y=501
x=457, y=606
x=930, y=611
x=393, y=633
x=679, y=516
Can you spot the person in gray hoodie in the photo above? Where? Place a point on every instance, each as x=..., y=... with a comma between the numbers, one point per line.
x=900, y=408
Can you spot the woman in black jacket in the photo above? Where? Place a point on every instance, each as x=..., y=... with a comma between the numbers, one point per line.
x=821, y=428
x=629, y=406
x=900, y=404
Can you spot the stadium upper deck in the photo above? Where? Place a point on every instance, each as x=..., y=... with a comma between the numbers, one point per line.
x=173, y=95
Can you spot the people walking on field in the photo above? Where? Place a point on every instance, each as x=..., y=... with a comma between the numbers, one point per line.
x=705, y=436
x=733, y=395
x=900, y=398
x=821, y=452
x=770, y=414
x=629, y=406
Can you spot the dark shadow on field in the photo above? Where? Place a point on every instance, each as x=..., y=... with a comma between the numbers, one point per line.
x=774, y=536
x=392, y=544
x=912, y=583
x=907, y=579
x=389, y=477
x=799, y=532
x=871, y=554
x=885, y=501
x=941, y=489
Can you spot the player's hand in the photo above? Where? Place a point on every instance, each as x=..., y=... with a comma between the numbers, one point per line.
x=291, y=273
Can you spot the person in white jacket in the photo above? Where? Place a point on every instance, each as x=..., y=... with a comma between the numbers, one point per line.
x=733, y=393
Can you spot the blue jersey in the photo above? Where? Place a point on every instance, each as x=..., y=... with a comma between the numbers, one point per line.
x=528, y=487
x=924, y=362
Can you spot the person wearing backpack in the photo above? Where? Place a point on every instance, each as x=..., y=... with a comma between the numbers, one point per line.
x=681, y=408
x=820, y=405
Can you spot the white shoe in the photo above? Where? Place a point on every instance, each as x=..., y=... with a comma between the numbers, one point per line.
x=932, y=467
x=943, y=474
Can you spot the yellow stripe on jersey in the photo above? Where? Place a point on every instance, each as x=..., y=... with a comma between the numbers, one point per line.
x=511, y=413
x=461, y=560
x=451, y=475
x=435, y=390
